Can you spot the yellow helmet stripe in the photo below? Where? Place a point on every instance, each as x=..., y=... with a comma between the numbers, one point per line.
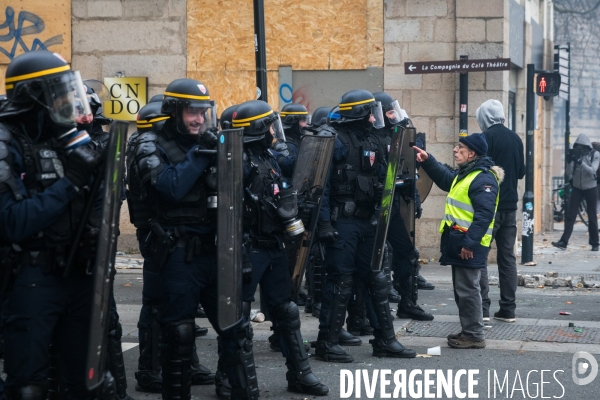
x=8, y=87
x=293, y=113
x=144, y=125
x=239, y=121
x=356, y=103
x=38, y=74
x=187, y=96
x=153, y=120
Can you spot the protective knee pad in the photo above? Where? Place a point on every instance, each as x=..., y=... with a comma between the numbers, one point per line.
x=288, y=317
x=114, y=359
x=238, y=362
x=379, y=291
x=177, y=346
x=33, y=391
x=342, y=290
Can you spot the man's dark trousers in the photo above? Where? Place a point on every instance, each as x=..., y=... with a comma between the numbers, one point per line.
x=505, y=234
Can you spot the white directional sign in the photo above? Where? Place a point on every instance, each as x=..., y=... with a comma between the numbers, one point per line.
x=561, y=65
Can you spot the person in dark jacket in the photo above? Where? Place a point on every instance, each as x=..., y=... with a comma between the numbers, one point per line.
x=582, y=167
x=505, y=148
x=466, y=228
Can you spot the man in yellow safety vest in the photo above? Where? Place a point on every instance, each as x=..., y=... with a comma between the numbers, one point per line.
x=467, y=227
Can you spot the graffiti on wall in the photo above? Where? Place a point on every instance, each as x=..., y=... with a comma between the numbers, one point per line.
x=24, y=34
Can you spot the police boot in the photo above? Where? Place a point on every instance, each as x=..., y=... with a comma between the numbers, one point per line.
x=177, y=345
x=299, y=375
x=316, y=309
x=309, y=304
x=238, y=361
x=200, y=331
x=347, y=339
x=357, y=323
x=34, y=391
x=200, y=374
x=148, y=377
x=274, y=338
x=222, y=386
x=408, y=309
x=114, y=357
x=327, y=345
x=385, y=343
x=200, y=313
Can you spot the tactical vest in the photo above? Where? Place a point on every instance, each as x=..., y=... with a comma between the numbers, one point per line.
x=260, y=217
x=44, y=165
x=192, y=209
x=140, y=212
x=293, y=139
x=354, y=179
x=459, y=210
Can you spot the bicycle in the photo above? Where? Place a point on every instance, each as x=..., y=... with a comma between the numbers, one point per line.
x=560, y=196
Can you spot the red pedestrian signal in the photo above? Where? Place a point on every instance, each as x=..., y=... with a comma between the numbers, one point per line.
x=548, y=84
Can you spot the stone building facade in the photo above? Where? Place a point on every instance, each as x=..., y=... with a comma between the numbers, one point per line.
x=152, y=38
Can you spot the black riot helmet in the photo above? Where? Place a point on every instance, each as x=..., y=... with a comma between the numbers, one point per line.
x=157, y=98
x=391, y=109
x=292, y=114
x=227, y=117
x=191, y=96
x=359, y=105
x=150, y=118
x=319, y=116
x=256, y=117
x=97, y=94
x=43, y=80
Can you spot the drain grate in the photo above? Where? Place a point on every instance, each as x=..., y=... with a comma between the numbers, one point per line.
x=532, y=333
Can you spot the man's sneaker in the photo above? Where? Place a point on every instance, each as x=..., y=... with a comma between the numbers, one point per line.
x=560, y=244
x=486, y=316
x=454, y=336
x=464, y=343
x=504, y=316
x=595, y=248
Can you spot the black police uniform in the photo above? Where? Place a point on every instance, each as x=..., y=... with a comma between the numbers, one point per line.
x=40, y=205
x=182, y=246
x=354, y=190
x=265, y=190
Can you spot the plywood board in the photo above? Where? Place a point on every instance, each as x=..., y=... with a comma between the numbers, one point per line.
x=2, y=74
x=233, y=87
x=34, y=25
x=304, y=34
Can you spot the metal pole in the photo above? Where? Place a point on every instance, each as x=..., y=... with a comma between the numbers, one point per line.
x=260, y=50
x=464, y=101
x=567, y=129
x=528, y=201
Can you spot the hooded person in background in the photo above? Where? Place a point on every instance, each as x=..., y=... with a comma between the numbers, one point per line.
x=582, y=167
x=505, y=148
x=596, y=146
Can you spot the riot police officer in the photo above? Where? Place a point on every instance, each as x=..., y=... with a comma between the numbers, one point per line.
x=405, y=259
x=345, y=224
x=45, y=167
x=181, y=245
x=270, y=212
x=294, y=119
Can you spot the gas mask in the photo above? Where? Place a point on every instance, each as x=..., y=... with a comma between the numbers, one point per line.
x=286, y=202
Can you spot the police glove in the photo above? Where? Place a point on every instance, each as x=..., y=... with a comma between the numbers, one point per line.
x=418, y=212
x=246, y=270
x=208, y=139
x=327, y=234
x=88, y=246
x=81, y=164
x=282, y=148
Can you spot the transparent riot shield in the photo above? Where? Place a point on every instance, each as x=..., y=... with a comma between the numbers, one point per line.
x=309, y=179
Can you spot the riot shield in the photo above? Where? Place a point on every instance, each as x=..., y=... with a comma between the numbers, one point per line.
x=309, y=179
x=387, y=198
x=112, y=183
x=424, y=184
x=230, y=196
x=407, y=179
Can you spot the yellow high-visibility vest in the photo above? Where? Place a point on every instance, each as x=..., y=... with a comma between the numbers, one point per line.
x=459, y=209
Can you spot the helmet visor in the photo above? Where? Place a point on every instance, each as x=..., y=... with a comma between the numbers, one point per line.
x=195, y=117
x=308, y=119
x=66, y=98
x=334, y=115
x=277, y=127
x=377, y=113
x=392, y=112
